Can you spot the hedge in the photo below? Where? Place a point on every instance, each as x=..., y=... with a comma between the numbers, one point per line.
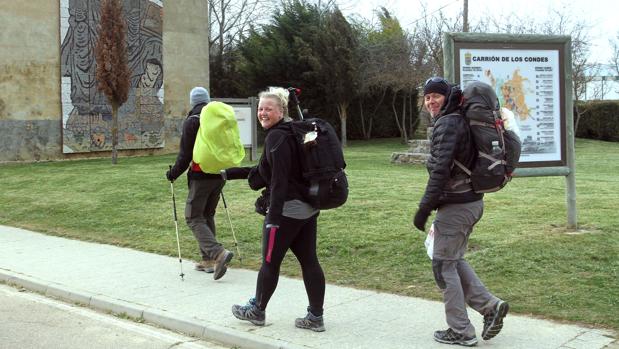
x=599, y=120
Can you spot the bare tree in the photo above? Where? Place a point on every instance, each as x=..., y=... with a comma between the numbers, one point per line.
x=112, y=71
x=229, y=23
x=596, y=91
x=559, y=23
x=427, y=50
x=386, y=65
x=428, y=35
x=614, y=59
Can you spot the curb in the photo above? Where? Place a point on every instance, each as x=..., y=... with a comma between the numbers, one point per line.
x=162, y=318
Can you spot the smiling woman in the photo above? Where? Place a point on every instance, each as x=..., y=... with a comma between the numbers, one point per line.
x=290, y=223
x=273, y=107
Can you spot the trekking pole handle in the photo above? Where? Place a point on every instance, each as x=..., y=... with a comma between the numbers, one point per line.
x=293, y=92
x=173, y=198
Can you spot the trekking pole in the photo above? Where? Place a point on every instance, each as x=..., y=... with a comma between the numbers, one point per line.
x=294, y=92
x=178, y=244
x=236, y=243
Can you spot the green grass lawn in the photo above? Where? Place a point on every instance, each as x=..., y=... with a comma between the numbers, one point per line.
x=520, y=248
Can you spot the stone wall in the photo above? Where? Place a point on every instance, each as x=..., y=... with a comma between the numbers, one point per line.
x=417, y=154
x=30, y=76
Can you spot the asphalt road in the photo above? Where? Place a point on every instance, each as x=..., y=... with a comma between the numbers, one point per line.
x=29, y=320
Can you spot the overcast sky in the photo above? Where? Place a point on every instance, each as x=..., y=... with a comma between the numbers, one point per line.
x=600, y=14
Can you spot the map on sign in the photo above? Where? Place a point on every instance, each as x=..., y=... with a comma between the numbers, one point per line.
x=513, y=92
x=527, y=83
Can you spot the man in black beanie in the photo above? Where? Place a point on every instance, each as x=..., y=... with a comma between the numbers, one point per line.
x=459, y=208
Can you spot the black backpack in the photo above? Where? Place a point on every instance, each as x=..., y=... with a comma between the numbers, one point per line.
x=322, y=159
x=322, y=163
x=498, y=149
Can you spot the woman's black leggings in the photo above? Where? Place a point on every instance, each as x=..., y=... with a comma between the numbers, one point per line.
x=298, y=235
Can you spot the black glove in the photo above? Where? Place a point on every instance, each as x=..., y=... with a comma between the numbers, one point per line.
x=255, y=180
x=421, y=217
x=168, y=175
x=262, y=203
x=233, y=173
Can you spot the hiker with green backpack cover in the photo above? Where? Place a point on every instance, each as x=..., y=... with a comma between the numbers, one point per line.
x=210, y=142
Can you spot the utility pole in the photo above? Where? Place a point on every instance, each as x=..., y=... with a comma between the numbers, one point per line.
x=465, y=15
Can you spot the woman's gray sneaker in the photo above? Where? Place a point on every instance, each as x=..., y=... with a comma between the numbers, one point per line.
x=310, y=322
x=249, y=312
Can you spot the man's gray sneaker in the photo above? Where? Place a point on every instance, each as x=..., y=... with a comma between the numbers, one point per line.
x=249, y=312
x=450, y=336
x=493, y=321
x=310, y=322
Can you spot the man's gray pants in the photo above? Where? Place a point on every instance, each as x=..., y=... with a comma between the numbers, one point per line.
x=200, y=214
x=454, y=276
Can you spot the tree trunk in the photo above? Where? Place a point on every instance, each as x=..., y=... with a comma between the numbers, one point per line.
x=362, y=118
x=114, y=132
x=342, y=109
x=382, y=98
x=412, y=120
x=395, y=114
x=367, y=132
x=578, y=116
x=404, y=133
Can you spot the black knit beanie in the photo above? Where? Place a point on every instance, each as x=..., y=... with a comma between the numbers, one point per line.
x=436, y=85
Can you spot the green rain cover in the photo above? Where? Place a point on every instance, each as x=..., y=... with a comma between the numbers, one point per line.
x=218, y=142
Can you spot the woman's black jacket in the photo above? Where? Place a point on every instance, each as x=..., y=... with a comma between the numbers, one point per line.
x=450, y=140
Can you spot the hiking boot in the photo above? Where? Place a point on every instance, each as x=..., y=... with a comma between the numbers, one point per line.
x=249, y=312
x=207, y=266
x=452, y=337
x=493, y=321
x=223, y=258
x=310, y=322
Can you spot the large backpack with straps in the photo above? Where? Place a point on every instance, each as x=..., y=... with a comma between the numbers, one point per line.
x=498, y=149
x=322, y=163
x=218, y=143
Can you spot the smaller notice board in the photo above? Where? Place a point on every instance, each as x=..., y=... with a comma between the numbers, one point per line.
x=245, y=113
x=528, y=79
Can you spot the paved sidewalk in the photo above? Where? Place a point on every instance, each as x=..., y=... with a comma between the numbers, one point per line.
x=148, y=285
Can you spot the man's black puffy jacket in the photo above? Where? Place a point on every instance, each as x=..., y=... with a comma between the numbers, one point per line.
x=451, y=140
